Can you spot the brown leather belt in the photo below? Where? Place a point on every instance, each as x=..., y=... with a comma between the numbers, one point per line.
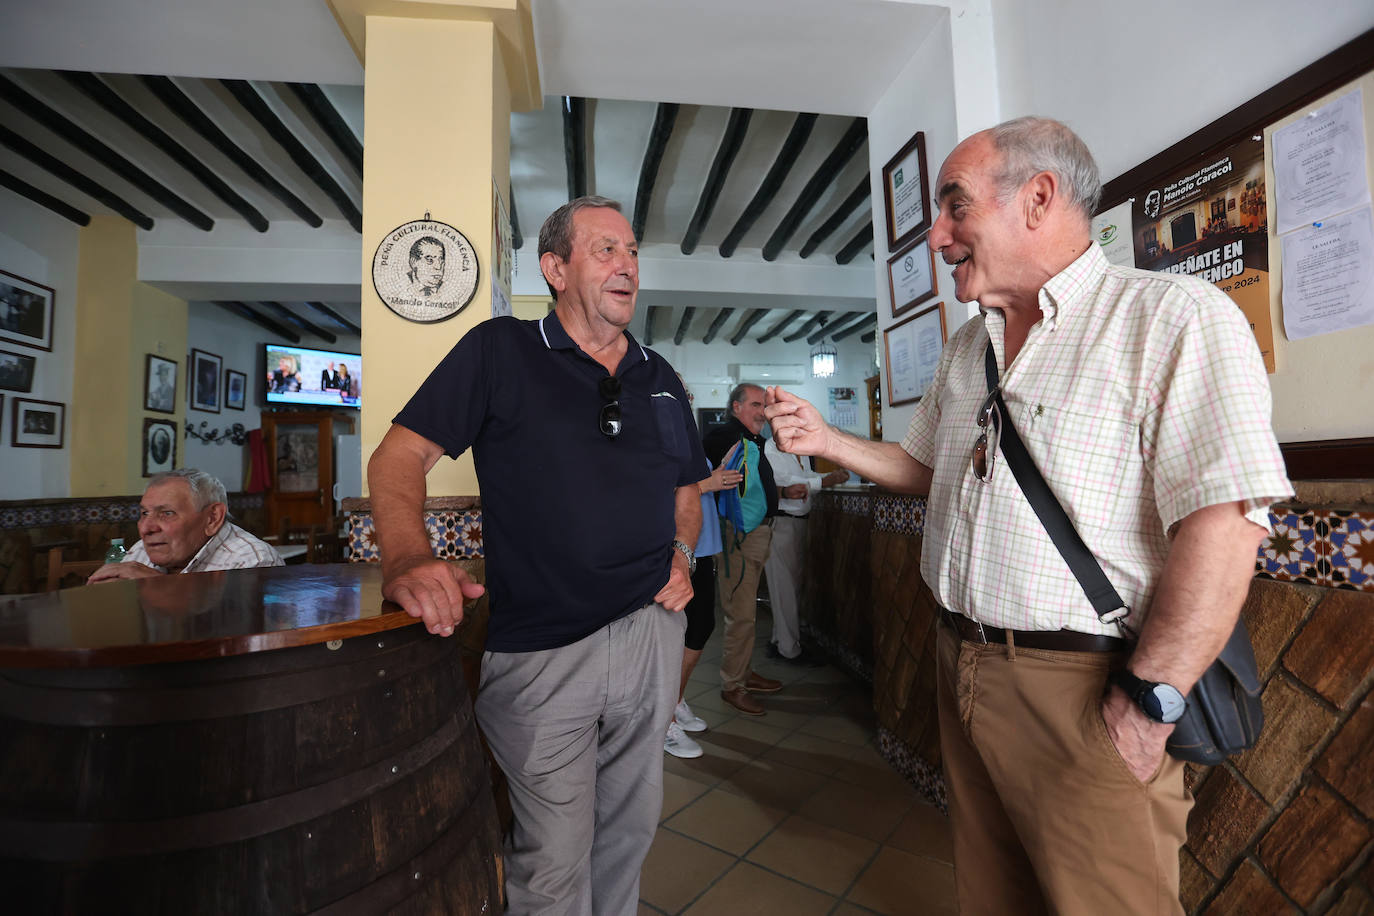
x=1050, y=640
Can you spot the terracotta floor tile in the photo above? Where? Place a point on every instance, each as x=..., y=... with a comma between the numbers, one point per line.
x=760, y=730
x=680, y=791
x=775, y=784
x=837, y=727
x=924, y=832
x=820, y=755
x=708, y=768
x=866, y=767
x=849, y=909
x=866, y=812
x=678, y=869
x=814, y=854
x=900, y=884
x=748, y=890
x=726, y=820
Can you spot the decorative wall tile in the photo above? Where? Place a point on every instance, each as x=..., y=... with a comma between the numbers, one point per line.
x=453, y=535
x=1349, y=553
x=1292, y=551
x=926, y=778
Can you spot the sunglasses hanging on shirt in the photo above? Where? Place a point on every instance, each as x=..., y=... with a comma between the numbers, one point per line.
x=609, y=420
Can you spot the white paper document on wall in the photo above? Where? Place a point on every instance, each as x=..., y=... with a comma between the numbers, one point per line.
x=1112, y=230
x=1328, y=276
x=1319, y=164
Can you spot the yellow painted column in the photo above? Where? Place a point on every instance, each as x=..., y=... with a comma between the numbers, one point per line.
x=118, y=321
x=437, y=120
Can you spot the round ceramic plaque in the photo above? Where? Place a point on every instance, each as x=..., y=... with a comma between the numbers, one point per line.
x=425, y=271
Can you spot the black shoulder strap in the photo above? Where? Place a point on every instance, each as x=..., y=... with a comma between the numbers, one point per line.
x=1105, y=600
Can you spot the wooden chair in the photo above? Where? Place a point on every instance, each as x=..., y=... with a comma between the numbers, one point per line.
x=58, y=569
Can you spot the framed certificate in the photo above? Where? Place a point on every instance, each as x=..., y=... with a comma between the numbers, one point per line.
x=911, y=276
x=911, y=351
x=906, y=193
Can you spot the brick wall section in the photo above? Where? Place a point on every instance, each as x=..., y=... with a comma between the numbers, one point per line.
x=1287, y=827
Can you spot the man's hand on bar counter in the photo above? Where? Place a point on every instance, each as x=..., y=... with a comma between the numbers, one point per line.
x=111, y=571
x=432, y=590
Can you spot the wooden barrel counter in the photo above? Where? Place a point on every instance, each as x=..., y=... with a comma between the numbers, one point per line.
x=251, y=741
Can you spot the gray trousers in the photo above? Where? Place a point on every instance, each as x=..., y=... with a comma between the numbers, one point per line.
x=578, y=731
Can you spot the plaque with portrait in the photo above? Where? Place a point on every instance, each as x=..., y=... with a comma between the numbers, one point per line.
x=159, y=446
x=425, y=271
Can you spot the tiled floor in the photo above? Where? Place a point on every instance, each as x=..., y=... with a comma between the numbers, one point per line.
x=795, y=812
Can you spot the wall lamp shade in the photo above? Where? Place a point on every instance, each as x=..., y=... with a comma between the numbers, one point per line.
x=823, y=360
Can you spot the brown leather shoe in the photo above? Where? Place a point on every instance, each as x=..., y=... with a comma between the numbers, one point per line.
x=741, y=700
x=757, y=683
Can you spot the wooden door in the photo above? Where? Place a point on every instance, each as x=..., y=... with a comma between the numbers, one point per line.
x=300, y=449
x=875, y=408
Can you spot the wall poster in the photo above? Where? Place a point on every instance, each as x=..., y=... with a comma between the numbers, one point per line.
x=1211, y=221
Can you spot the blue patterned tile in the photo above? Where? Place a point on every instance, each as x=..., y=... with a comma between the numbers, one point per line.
x=1349, y=553
x=1293, y=551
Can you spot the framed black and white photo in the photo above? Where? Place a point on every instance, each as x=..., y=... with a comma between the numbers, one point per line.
x=235, y=389
x=16, y=371
x=37, y=424
x=906, y=193
x=204, y=381
x=911, y=351
x=160, y=385
x=911, y=276
x=159, y=446
x=25, y=311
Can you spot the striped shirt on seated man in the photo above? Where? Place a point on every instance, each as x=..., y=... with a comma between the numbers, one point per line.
x=183, y=523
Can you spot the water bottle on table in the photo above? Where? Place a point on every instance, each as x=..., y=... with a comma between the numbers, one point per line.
x=116, y=553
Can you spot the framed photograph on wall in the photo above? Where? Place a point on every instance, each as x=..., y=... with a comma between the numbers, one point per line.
x=906, y=193
x=16, y=371
x=911, y=351
x=37, y=424
x=25, y=311
x=204, y=381
x=159, y=446
x=160, y=384
x=911, y=276
x=235, y=389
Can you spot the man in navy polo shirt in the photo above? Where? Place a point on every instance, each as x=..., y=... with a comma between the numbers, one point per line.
x=588, y=461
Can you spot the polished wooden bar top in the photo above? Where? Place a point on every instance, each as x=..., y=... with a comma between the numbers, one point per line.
x=193, y=616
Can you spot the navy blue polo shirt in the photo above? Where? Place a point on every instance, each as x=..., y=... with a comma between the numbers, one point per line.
x=578, y=527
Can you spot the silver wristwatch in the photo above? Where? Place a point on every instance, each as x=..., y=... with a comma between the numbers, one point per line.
x=689, y=554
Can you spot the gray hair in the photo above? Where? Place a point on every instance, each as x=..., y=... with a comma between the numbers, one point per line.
x=205, y=488
x=557, y=232
x=1033, y=145
x=737, y=393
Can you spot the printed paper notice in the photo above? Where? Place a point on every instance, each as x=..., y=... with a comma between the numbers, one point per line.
x=1319, y=164
x=1328, y=276
x=1113, y=232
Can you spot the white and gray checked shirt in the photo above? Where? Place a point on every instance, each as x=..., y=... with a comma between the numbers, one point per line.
x=1141, y=397
x=230, y=548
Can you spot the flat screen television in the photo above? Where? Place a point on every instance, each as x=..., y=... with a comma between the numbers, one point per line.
x=324, y=378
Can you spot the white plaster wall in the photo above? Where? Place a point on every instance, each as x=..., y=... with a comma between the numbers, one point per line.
x=921, y=98
x=239, y=344
x=41, y=246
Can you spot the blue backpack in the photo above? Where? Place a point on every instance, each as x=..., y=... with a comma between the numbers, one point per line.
x=746, y=505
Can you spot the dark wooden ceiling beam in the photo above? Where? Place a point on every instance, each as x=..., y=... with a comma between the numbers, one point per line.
x=334, y=316
x=664, y=118
x=242, y=310
x=682, y=325
x=861, y=240
x=97, y=91
x=716, y=324
x=575, y=144
x=777, y=328
x=74, y=178
x=43, y=198
x=869, y=336
x=870, y=320
x=300, y=322
x=836, y=219
x=330, y=121
x=181, y=105
x=649, y=325
x=772, y=182
x=824, y=176
x=256, y=106
x=840, y=323
x=749, y=321
x=818, y=318
x=88, y=144
x=730, y=145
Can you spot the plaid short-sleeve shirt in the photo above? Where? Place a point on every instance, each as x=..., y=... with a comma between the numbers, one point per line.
x=1141, y=397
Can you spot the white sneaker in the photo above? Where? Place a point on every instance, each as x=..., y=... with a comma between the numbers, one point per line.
x=678, y=744
x=690, y=722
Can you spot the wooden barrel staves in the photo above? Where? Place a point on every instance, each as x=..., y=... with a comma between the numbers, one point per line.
x=339, y=778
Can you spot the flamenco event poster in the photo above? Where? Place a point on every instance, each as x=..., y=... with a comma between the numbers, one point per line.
x=1212, y=222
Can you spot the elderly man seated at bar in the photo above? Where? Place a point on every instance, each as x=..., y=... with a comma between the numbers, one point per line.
x=183, y=521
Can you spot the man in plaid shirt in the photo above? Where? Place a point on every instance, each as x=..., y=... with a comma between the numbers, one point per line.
x=1142, y=399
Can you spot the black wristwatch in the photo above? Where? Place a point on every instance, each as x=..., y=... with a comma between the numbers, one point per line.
x=689, y=554
x=1160, y=702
